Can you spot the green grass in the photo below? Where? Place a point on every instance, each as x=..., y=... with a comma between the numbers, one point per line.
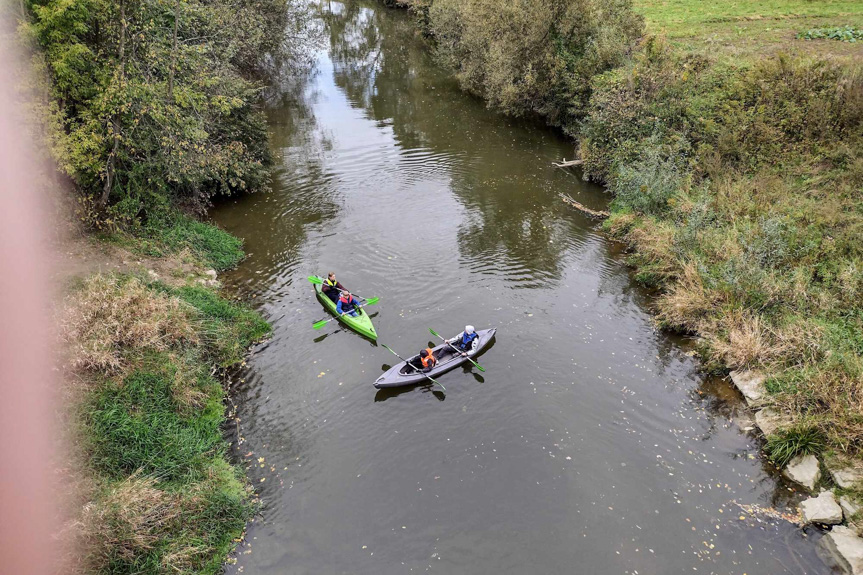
x=228, y=327
x=138, y=424
x=689, y=17
x=173, y=232
x=746, y=28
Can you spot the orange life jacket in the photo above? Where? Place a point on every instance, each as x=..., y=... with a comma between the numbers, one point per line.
x=428, y=360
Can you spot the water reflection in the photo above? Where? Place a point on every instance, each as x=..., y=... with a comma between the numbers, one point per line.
x=385, y=72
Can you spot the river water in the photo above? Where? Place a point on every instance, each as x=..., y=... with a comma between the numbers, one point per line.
x=591, y=444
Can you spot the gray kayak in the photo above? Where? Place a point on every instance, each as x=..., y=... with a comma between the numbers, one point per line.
x=406, y=373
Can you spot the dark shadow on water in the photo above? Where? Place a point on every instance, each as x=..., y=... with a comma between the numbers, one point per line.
x=390, y=392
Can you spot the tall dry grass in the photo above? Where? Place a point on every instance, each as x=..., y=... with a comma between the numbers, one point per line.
x=111, y=315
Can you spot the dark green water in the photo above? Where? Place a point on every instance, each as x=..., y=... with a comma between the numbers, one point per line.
x=590, y=446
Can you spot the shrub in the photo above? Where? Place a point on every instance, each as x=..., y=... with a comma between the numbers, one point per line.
x=770, y=245
x=738, y=185
x=536, y=56
x=647, y=185
x=841, y=33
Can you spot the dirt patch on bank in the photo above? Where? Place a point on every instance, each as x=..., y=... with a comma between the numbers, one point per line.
x=81, y=256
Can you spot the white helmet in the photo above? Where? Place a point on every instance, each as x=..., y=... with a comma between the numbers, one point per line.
x=468, y=329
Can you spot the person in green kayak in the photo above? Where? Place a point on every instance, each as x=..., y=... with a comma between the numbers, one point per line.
x=348, y=304
x=332, y=288
x=465, y=342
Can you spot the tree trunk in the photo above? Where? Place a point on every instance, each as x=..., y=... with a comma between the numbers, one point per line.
x=115, y=120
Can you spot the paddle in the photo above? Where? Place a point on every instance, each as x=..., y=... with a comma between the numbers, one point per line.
x=323, y=322
x=428, y=377
x=478, y=366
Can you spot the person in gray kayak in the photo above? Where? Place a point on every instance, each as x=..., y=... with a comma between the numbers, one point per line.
x=332, y=288
x=466, y=341
x=348, y=304
x=428, y=361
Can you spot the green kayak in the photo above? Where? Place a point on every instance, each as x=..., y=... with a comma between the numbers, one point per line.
x=362, y=324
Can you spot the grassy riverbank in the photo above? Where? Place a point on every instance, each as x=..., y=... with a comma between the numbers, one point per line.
x=149, y=110
x=732, y=150
x=155, y=490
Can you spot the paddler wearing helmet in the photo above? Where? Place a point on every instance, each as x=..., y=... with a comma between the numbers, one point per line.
x=466, y=342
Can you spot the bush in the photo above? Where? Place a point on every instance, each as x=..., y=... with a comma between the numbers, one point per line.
x=647, y=185
x=536, y=56
x=841, y=33
x=738, y=185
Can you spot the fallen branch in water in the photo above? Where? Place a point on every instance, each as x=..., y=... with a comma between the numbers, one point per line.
x=592, y=213
x=565, y=164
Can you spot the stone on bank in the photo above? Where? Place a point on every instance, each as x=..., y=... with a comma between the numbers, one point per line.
x=804, y=470
x=846, y=478
x=849, y=507
x=750, y=384
x=822, y=509
x=769, y=421
x=845, y=548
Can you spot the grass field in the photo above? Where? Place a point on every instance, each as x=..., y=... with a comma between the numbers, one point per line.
x=742, y=28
